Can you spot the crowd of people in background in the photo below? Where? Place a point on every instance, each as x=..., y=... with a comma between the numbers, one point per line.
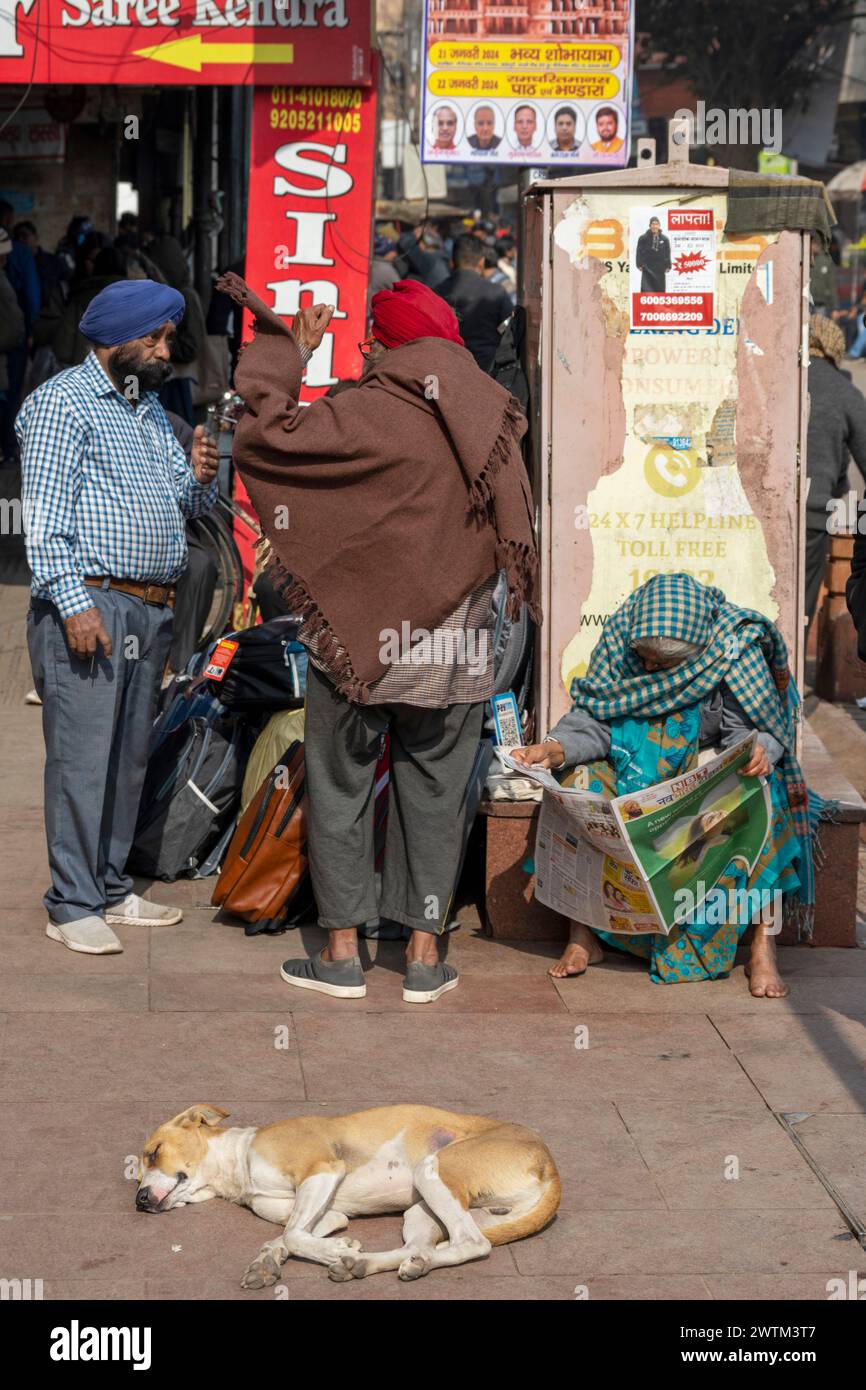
x=471, y=263
x=44, y=294
x=825, y=297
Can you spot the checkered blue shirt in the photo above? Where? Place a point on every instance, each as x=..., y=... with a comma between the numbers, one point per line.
x=105, y=487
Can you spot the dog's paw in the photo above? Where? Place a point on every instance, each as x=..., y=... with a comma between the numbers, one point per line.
x=261, y=1273
x=415, y=1266
x=350, y=1265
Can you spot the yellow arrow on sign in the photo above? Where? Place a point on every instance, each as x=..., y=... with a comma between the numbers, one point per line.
x=192, y=53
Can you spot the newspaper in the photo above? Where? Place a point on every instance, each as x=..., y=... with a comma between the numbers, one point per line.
x=641, y=863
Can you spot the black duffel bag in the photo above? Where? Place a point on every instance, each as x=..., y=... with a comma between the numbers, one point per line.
x=268, y=671
x=191, y=796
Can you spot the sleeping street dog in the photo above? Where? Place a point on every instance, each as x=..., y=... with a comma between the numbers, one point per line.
x=464, y=1183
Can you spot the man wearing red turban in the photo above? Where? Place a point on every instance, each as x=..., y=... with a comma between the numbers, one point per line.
x=407, y=496
x=410, y=310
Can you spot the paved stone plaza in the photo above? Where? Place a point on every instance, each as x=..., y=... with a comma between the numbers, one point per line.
x=674, y=1082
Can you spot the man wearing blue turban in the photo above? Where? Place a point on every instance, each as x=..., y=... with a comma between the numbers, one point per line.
x=106, y=490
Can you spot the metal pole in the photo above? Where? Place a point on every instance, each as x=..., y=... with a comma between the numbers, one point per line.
x=202, y=162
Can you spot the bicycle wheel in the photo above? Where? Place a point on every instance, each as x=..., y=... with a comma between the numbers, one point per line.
x=217, y=537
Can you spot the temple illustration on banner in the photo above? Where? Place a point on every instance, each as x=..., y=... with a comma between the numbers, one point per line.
x=529, y=18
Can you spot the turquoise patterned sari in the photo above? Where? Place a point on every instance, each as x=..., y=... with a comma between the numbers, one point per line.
x=646, y=751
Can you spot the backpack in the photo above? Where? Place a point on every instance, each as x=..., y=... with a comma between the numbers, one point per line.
x=267, y=672
x=191, y=792
x=185, y=697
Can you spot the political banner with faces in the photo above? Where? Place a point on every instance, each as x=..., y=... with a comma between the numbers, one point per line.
x=542, y=84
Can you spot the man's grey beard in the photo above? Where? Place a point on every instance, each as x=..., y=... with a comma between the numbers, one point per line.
x=124, y=363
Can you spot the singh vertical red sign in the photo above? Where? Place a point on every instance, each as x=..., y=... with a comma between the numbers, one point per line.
x=310, y=215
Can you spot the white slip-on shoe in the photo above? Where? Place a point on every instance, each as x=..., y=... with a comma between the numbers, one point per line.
x=141, y=912
x=89, y=935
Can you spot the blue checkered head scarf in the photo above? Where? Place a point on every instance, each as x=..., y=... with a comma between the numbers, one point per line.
x=674, y=605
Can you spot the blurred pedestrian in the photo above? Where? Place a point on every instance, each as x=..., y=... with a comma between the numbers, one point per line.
x=20, y=269
x=383, y=272
x=97, y=270
x=822, y=280
x=837, y=429
x=482, y=308
x=12, y=334
x=422, y=256
x=69, y=245
x=857, y=314
x=187, y=352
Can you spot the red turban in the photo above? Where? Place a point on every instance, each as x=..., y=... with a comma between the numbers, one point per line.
x=410, y=310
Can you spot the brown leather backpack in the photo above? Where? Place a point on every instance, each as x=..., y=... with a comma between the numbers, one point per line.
x=266, y=865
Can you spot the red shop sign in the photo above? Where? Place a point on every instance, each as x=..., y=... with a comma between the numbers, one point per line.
x=212, y=42
x=310, y=215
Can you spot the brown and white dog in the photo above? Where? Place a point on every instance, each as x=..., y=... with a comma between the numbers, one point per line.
x=464, y=1183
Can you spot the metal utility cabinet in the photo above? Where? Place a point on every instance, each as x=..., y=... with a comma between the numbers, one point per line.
x=658, y=450
x=662, y=449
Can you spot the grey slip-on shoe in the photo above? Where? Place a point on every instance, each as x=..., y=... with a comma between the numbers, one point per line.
x=342, y=978
x=89, y=935
x=423, y=984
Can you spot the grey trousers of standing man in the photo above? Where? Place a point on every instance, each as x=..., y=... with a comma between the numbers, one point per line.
x=432, y=752
x=96, y=719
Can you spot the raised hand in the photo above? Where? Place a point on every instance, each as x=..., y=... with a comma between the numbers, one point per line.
x=310, y=324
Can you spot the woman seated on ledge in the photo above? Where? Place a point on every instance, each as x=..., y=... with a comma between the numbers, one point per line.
x=678, y=668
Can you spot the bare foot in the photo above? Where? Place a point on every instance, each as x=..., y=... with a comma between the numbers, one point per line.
x=582, y=950
x=762, y=971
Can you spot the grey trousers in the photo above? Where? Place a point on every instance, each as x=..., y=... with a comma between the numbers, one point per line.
x=96, y=721
x=432, y=752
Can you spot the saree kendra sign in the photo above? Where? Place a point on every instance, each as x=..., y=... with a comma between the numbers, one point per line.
x=528, y=83
x=211, y=42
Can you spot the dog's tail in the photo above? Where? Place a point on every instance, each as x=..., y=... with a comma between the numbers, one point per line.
x=516, y=1226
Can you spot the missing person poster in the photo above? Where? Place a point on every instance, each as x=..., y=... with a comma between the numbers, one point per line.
x=672, y=267
x=543, y=84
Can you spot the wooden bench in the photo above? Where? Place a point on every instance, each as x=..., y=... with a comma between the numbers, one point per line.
x=512, y=912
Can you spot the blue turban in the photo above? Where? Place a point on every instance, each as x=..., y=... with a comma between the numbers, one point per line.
x=128, y=309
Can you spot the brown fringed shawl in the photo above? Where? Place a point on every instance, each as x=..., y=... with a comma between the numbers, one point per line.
x=385, y=504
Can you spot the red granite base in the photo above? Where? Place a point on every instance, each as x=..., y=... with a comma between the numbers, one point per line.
x=512, y=913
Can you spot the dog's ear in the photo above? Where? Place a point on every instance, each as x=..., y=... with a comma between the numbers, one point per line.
x=198, y=1115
